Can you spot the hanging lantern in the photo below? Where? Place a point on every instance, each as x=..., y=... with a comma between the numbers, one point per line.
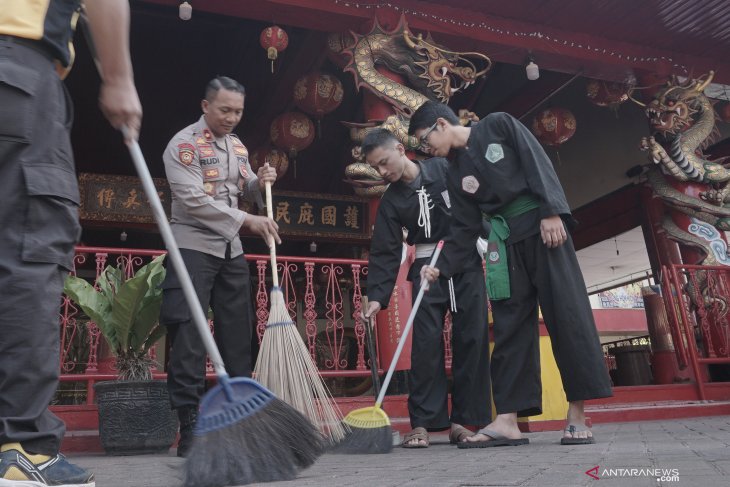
x=554, y=126
x=606, y=94
x=276, y=159
x=274, y=39
x=292, y=132
x=318, y=94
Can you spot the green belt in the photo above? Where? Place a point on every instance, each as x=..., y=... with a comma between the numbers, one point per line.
x=497, y=269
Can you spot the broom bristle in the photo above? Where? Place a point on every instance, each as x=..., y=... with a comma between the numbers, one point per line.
x=272, y=444
x=285, y=366
x=366, y=440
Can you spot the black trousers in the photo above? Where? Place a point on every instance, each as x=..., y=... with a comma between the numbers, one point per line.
x=39, y=228
x=223, y=285
x=427, y=382
x=553, y=278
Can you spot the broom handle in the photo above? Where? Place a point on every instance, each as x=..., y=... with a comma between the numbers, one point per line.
x=407, y=329
x=272, y=244
x=201, y=322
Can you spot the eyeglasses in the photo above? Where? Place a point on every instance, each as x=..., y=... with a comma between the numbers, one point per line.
x=424, y=138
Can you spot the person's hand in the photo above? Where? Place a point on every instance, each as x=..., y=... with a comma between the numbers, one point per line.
x=119, y=102
x=263, y=226
x=266, y=174
x=552, y=231
x=372, y=309
x=429, y=274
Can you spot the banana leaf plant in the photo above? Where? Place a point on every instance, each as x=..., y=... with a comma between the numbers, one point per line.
x=127, y=313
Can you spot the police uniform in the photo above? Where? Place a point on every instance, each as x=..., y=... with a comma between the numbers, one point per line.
x=39, y=215
x=423, y=208
x=207, y=176
x=502, y=163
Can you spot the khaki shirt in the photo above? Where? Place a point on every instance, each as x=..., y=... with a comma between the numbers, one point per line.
x=207, y=176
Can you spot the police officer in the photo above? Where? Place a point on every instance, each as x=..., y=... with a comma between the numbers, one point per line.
x=39, y=215
x=208, y=171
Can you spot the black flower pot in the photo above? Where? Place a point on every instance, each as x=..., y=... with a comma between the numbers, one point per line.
x=135, y=417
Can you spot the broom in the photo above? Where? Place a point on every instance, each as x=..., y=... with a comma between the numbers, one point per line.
x=370, y=430
x=285, y=366
x=243, y=434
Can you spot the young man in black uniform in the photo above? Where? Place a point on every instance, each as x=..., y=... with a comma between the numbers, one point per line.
x=500, y=172
x=417, y=200
x=39, y=215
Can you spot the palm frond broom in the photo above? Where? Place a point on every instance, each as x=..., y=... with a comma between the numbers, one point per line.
x=285, y=366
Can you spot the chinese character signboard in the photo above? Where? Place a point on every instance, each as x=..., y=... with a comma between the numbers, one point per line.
x=121, y=199
x=318, y=215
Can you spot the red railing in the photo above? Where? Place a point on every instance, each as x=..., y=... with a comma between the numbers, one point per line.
x=323, y=296
x=698, y=302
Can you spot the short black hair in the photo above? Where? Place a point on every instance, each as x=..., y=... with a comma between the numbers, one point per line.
x=428, y=113
x=223, y=82
x=379, y=137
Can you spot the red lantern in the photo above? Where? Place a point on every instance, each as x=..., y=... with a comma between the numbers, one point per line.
x=276, y=159
x=292, y=132
x=274, y=39
x=605, y=93
x=554, y=126
x=318, y=94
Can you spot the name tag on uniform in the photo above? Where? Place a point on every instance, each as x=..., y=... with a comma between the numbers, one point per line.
x=494, y=153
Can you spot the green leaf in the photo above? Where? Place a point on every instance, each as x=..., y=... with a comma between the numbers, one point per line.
x=95, y=304
x=149, y=309
x=109, y=281
x=157, y=333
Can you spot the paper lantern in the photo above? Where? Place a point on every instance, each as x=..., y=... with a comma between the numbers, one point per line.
x=274, y=39
x=276, y=159
x=292, y=132
x=318, y=94
x=605, y=93
x=554, y=126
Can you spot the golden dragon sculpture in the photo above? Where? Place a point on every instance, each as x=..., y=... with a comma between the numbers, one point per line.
x=430, y=71
x=683, y=122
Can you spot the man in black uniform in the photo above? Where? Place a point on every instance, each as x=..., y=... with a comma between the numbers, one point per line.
x=40, y=218
x=417, y=200
x=208, y=171
x=500, y=172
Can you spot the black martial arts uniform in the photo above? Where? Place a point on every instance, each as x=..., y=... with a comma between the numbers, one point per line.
x=501, y=162
x=427, y=402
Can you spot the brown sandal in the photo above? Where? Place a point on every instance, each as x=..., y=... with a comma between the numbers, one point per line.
x=420, y=434
x=458, y=434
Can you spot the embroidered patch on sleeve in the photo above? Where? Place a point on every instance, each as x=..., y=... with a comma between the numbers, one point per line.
x=209, y=188
x=494, y=153
x=211, y=173
x=186, y=153
x=470, y=184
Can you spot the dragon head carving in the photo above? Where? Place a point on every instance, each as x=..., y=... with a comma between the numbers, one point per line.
x=676, y=106
x=430, y=71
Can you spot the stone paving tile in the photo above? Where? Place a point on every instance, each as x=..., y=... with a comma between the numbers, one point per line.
x=698, y=448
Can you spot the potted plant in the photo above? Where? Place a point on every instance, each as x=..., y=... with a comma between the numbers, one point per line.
x=134, y=411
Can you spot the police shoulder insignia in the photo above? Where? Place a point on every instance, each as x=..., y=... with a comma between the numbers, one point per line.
x=208, y=135
x=494, y=153
x=186, y=152
x=470, y=184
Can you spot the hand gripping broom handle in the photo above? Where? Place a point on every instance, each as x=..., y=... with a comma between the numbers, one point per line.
x=272, y=244
x=173, y=252
x=407, y=329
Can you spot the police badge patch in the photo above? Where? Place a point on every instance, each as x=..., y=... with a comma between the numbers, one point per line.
x=186, y=152
x=470, y=184
x=494, y=153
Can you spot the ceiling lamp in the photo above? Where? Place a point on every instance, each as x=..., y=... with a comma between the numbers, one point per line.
x=185, y=11
x=532, y=70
